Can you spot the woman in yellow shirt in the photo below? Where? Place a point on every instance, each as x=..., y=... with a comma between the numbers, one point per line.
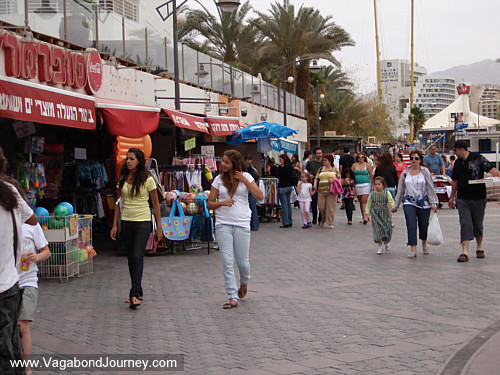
x=135, y=187
x=327, y=202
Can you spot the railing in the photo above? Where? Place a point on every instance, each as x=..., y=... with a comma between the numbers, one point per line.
x=109, y=26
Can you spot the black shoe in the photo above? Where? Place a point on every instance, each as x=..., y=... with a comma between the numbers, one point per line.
x=315, y=222
x=463, y=258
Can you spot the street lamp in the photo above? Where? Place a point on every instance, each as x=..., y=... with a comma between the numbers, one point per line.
x=290, y=79
x=170, y=8
x=318, y=131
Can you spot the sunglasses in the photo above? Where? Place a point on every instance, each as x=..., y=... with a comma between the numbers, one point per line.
x=414, y=157
x=361, y=157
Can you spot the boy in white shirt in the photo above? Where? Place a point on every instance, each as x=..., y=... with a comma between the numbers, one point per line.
x=35, y=249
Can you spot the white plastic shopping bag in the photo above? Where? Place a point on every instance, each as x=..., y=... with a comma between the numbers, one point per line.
x=434, y=233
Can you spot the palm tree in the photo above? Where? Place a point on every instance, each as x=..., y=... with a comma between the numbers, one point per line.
x=224, y=37
x=298, y=35
x=416, y=117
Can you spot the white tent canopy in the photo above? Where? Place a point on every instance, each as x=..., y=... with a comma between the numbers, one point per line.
x=443, y=120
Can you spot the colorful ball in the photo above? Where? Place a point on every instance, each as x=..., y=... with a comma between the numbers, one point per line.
x=71, y=210
x=61, y=210
x=207, y=193
x=56, y=222
x=192, y=208
x=43, y=215
x=183, y=196
x=191, y=197
x=84, y=254
x=176, y=192
x=170, y=196
x=195, y=188
x=184, y=207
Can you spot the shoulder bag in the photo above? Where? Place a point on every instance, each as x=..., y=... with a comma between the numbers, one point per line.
x=176, y=228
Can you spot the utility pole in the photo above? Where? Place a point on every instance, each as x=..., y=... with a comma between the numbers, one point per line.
x=379, y=78
x=411, y=73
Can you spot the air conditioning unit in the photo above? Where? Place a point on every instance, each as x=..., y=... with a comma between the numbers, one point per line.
x=331, y=133
x=256, y=89
x=372, y=140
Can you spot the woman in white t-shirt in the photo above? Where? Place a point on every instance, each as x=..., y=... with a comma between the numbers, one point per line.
x=229, y=199
x=13, y=210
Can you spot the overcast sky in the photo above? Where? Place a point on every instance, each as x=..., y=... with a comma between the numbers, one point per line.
x=447, y=32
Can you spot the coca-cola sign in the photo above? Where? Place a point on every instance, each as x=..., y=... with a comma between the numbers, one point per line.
x=52, y=64
x=463, y=89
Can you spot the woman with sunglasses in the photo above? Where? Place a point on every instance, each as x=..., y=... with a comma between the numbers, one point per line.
x=363, y=176
x=416, y=191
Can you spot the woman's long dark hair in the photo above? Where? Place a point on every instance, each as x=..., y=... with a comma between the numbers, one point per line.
x=386, y=163
x=140, y=175
x=420, y=155
x=238, y=165
x=8, y=199
x=286, y=159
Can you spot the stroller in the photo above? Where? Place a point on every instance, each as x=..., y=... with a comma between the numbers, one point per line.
x=442, y=187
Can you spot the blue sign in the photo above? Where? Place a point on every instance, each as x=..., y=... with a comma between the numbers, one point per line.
x=284, y=145
x=460, y=125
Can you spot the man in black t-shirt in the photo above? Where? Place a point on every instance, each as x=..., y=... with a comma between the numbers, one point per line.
x=347, y=160
x=470, y=198
x=312, y=167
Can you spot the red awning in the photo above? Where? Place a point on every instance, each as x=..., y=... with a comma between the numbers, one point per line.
x=29, y=101
x=183, y=120
x=223, y=125
x=128, y=119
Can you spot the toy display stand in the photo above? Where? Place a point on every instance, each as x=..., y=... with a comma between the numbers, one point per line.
x=85, y=243
x=62, y=234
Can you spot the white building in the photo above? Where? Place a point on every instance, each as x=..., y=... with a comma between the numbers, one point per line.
x=432, y=94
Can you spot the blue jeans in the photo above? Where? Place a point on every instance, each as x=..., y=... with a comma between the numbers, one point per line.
x=414, y=216
x=286, y=207
x=134, y=237
x=234, y=242
x=254, y=220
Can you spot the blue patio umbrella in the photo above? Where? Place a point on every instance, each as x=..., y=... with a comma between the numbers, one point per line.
x=261, y=130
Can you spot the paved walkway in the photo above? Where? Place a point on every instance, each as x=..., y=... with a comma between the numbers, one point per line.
x=320, y=302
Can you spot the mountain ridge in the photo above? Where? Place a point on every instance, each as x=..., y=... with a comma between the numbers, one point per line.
x=478, y=73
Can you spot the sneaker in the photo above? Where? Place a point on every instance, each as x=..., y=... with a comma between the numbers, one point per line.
x=387, y=246
x=380, y=251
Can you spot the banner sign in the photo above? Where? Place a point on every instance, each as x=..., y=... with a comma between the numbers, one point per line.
x=28, y=101
x=186, y=121
x=223, y=125
x=284, y=145
x=208, y=151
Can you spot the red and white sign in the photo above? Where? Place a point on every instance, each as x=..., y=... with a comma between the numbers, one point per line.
x=463, y=89
x=94, y=71
x=183, y=120
x=51, y=64
x=223, y=125
x=28, y=101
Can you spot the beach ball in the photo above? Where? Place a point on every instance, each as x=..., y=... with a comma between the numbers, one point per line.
x=84, y=254
x=56, y=222
x=61, y=210
x=43, y=215
x=183, y=196
x=71, y=210
x=195, y=188
x=192, y=208
x=81, y=259
x=170, y=196
x=191, y=197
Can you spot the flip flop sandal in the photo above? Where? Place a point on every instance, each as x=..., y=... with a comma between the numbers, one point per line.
x=412, y=256
x=134, y=302
x=426, y=251
x=128, y=299
x=242, y=292
x=480, y=254
x=230, y=305
x=463, y=258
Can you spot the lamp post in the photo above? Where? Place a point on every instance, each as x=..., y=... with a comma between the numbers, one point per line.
x=284, y=65
x=318, y=130
x=171, y=10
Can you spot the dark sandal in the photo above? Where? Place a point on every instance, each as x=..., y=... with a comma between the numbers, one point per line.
x=134, y=302
x=480, y=254
x=463, y=258
x=242, y=292
x=230, y=305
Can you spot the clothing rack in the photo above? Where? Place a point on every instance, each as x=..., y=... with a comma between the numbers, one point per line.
x=269, y=205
